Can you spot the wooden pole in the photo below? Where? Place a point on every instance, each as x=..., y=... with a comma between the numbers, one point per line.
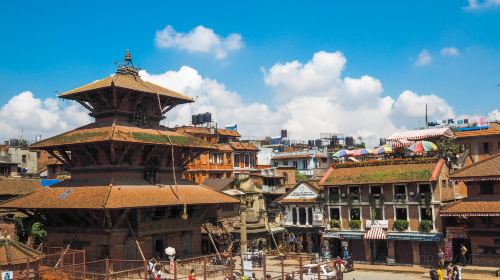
x=204, y=268
x=175, y=270
x=136, y=241
x=264, y=268
x=300, y=267
x=282, y=268
x=106, y=268
x=211, y=240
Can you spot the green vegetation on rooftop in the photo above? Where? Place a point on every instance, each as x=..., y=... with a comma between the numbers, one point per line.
x=76, y=137
x=384, y=176
x=179, y=140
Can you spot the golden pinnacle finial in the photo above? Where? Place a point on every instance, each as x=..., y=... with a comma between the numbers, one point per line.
x=127, y=67
x=128, y=57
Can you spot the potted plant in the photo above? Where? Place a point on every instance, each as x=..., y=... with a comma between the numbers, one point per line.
x=335, y=224
x=354, y=224
x=400, y=225
x=425, y=226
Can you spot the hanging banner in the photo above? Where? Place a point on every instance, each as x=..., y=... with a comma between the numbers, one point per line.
x=448, y=249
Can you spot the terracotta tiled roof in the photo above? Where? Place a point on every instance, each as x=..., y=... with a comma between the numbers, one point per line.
x=13, y=252
x=477, y=133
x=218, y=184
x=242, y=146
x=14, y=186
x=224, y=147
x=206, y=130
x=228, y=132
x=123, y=193
x=486, y=208
x=383, y=172
x=488, y=168
x=127, y=82
x=97, y=132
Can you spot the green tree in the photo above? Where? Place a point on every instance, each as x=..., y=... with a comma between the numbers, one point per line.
x=299, y=176
x=447, y=147
x=38, y=233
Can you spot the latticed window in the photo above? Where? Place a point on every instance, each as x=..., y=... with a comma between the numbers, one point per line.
x=139, y=118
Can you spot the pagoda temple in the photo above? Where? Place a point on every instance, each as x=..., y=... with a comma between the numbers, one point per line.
x=125, y=198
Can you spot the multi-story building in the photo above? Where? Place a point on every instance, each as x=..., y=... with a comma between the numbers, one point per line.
x=245, y=157
x=481, y=144
x=475, y=221
x=308, y=162
x=386, y=210
x=17, y=159
x=231, y=156
x=303, y=216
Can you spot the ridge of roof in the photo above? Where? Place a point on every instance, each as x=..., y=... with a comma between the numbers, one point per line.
x=493, y=157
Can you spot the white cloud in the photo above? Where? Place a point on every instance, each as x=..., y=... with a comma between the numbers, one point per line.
x=310, y=98
x=450, y=51
x=36, y=116
x=409, y=109
x=424, y=58
x=199, y=40
x=225, y=105
x=475, y=5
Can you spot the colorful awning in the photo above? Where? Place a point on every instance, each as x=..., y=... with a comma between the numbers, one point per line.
x=416, y=135
x=376, y=233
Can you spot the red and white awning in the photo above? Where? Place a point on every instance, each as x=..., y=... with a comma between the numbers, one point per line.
x=422, y=134
x=376, y=233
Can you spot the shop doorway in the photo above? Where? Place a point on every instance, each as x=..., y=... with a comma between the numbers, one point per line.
x=357, y=249
x=403, y=251
x=335, y=247
x=379, y=250
x=428, y=253
x=457, y=242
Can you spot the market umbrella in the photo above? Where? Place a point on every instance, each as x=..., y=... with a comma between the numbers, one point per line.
x=341, y=153
x=423, y=146
x=385, y=149
x=362, y=152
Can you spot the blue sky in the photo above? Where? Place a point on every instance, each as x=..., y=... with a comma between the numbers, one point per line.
x=58, y=45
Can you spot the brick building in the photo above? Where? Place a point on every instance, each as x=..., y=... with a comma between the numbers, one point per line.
x=386, y=210
x=475, y=221
x=481, y=144
x=125, y=187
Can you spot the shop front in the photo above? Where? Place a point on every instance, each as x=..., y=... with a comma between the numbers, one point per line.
x=377, y=240
x=351, y=244
x=414, y=248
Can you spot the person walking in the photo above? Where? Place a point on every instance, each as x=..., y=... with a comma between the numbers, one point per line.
x=440, y=257
x=440, y=273
x=463, y=253
x=192, y=275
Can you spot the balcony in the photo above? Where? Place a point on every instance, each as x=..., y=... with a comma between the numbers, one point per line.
x=6, y=158
x=273, y=189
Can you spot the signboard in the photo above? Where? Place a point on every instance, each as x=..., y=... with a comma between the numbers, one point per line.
x=7, y=275
x=377, y=223
x=448, y=249
x=345, y=244
x=456, y=232
x=415, y=237
x=302, y=192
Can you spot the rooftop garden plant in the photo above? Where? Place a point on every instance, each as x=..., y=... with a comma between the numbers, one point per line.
x=425, y=226
x=335, y=224
x=354, y=224
x=400, y=225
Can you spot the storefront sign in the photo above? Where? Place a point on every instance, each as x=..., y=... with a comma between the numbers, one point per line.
x=302, y=192
x=351, y=236
x=448, y=249
x=414, y=237
x=456, y=232
x=377, y=223
x=7, y=275
x=345, y=243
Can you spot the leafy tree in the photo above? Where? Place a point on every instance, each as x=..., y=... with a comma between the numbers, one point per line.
x=299, y=176
x=38, y=233
x=447, y=147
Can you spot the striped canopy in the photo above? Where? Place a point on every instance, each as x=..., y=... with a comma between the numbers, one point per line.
x=406, y=138
x=376, y=233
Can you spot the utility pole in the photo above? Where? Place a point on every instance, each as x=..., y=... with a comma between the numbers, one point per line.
x=426, y=119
